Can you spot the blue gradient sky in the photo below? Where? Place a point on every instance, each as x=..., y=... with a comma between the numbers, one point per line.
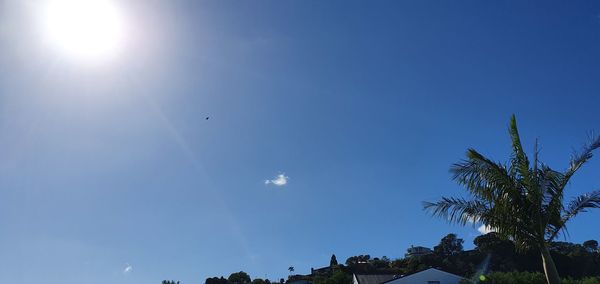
x=363, y=105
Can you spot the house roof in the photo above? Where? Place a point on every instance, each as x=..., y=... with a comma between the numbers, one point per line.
x=427, y=269
x=374, y=278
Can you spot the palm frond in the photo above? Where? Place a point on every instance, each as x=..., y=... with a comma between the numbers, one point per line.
x=520, y=200
x=550, y=184
x=481, y=176
x=519, y=161
x=458, y=210
x=551, y=204
x=581, y=204
x=578, y=159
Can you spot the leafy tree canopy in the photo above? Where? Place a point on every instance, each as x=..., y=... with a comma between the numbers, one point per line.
x=239, y=278
x=449, y=245
x=591, y=245
x=216, y=280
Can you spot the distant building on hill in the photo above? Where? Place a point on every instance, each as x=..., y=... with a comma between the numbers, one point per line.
x=322, y=272
x=417, y=251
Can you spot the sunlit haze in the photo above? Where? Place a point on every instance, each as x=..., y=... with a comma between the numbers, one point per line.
x=87, y=29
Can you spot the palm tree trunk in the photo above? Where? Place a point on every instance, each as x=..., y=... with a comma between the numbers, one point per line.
x=549, y=266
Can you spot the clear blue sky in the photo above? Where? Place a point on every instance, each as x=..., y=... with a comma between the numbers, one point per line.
x=364, y=106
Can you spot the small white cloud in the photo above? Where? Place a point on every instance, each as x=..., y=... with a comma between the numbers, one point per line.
x=483, y=229
x=128, y=268
x=280, y=180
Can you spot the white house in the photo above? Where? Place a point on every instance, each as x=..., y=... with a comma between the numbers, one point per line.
x=372, y=278
x=428, y=276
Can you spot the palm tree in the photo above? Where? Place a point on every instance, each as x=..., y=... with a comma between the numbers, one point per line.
x=519, y=200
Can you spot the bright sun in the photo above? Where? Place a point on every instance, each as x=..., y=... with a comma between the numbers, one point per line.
x=89, y=29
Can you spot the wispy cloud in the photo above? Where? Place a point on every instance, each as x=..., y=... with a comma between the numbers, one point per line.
x=128, y=268
x=279, y=180
x=483, y=229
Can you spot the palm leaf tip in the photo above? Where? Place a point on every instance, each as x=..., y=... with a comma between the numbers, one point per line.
x=582, y=203
x=578, y=159
x=513, y=130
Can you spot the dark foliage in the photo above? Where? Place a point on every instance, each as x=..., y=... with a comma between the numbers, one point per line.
x=494, y=257
x=449, y=245
x=260, y=281
x=215, y=280
x=492, y=254
x=591, y=245
x=333, y=262
x=239, y=278
x=338, y=277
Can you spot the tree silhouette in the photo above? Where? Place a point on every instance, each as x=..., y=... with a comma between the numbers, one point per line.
x=239, y=277
x=333, y=262
x=449, y=245
x=591, y=245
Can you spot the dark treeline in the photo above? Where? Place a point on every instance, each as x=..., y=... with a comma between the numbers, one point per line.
x=492, y=254
x=240, y=278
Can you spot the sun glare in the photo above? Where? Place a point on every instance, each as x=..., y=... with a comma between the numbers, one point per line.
x=89, y=29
